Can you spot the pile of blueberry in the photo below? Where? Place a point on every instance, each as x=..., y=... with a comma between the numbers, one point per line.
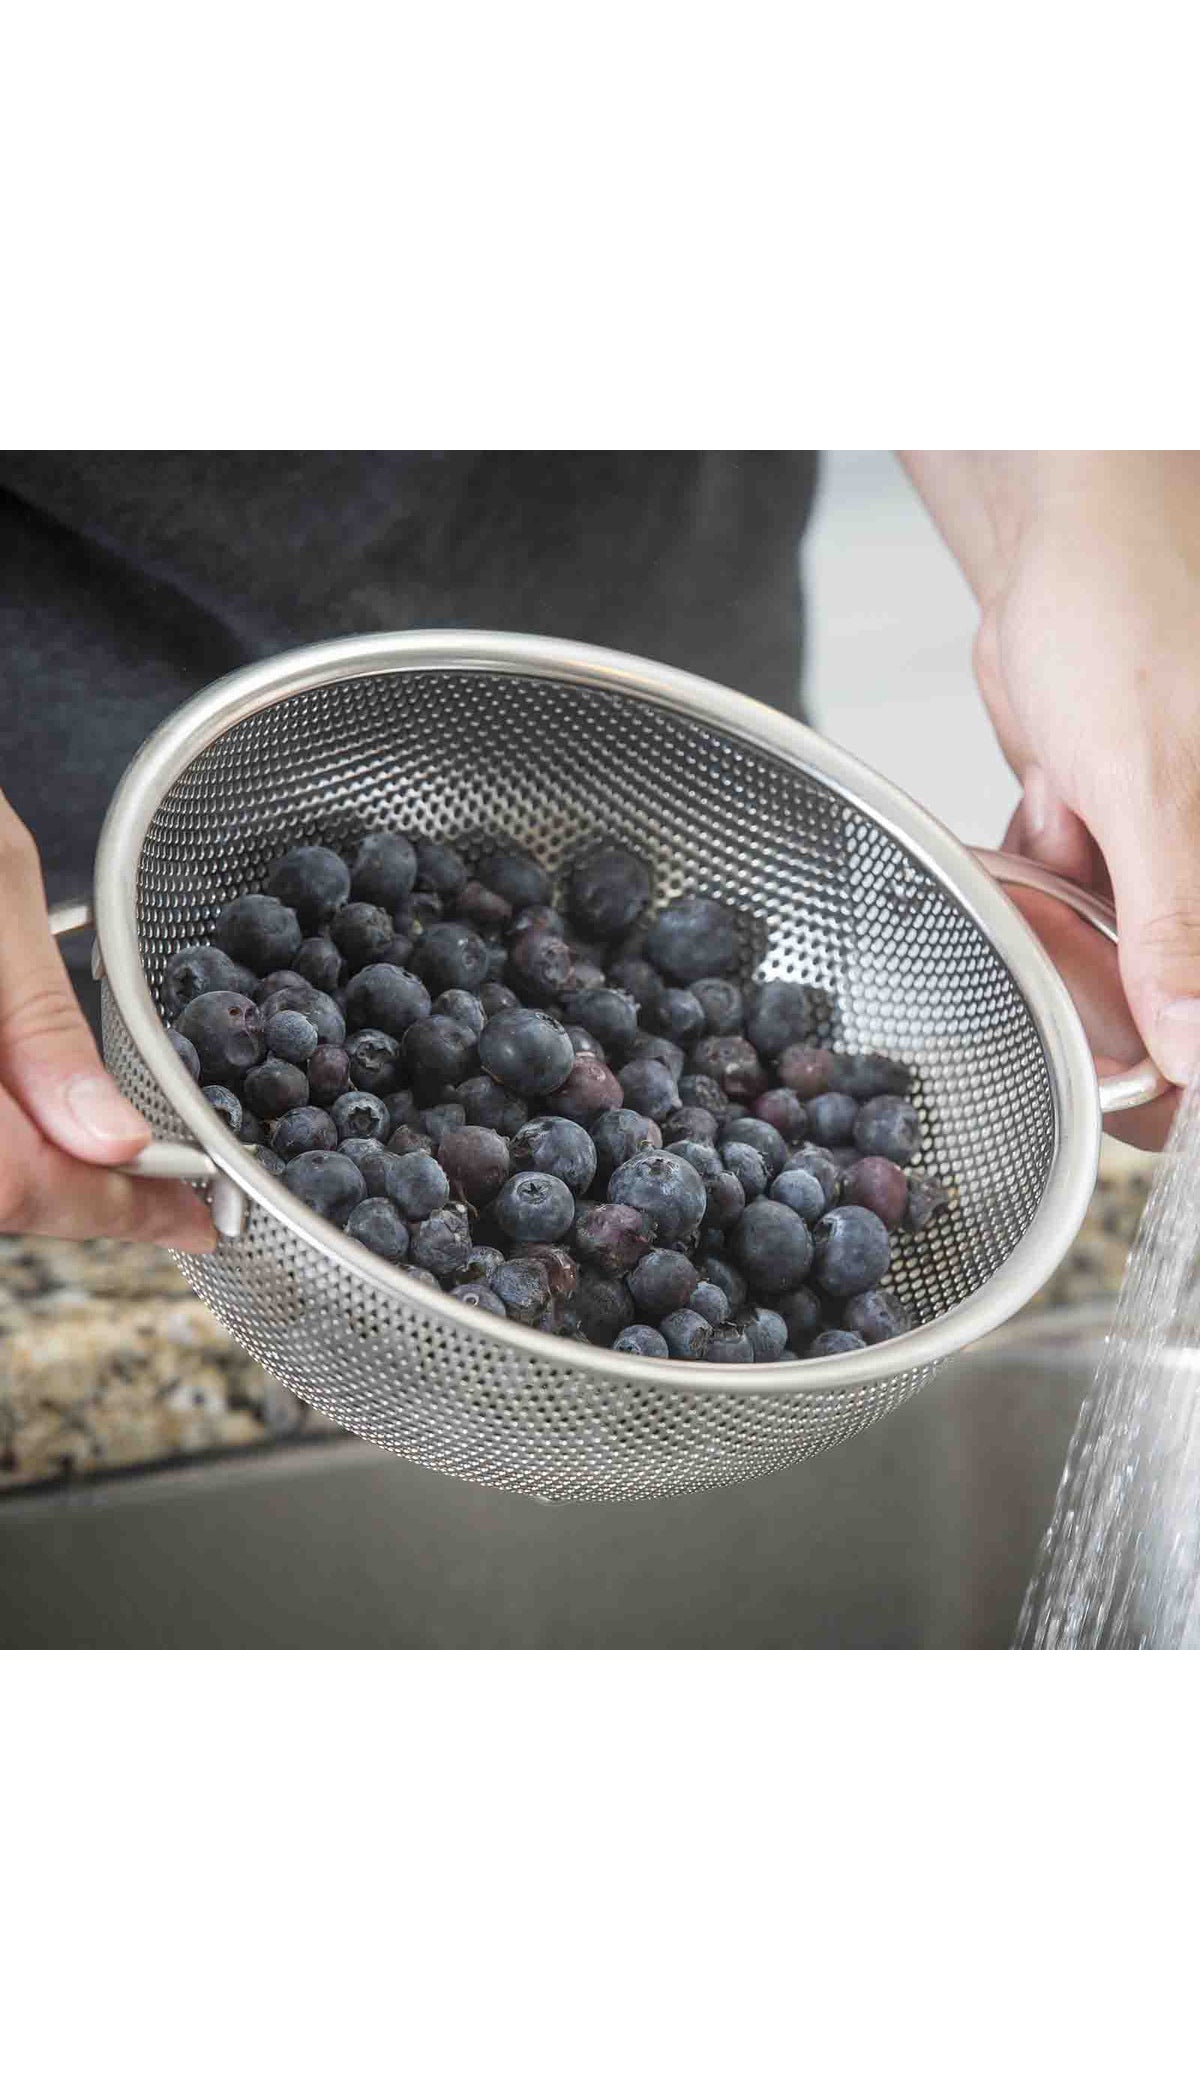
x=582, y=1120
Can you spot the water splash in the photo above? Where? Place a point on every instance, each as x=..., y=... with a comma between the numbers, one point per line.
x=1120, y=1565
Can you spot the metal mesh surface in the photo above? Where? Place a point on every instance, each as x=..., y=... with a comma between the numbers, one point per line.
x=826, y=895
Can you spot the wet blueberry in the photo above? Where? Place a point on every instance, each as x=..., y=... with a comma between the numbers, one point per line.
x=483, y=1299
x=464, y=1009
x=541, y=968
x=319, y=962
x=387, y=998
x=607, y=890
x=709, y=1300
x=732, y=1063
x=438, y=1121
x=534, y=1206
x=186, y=1052
x=785, y=1112
x=482, y=1264
x=318, y=1007
x=878, y=1316
x=408, y=1137
x=438, y=1053
x=772, y=1247
x=258, y=931
x=497, y=998
x=527, y=1051
x=802, y=1313
x=583, y=1042
x=831, y=1119
x=807, y=1071
x=714, y=1269
x=927, y=1199
x=721, y=1003
x=537, y=918
x=225, y=1105
x=514, y=875
x=274, y=1088
x=801, y=1191
x=835, y=1341
x=889, y=1126
x=562, y=1273
x=675, y=1013
x=766, y=1333
x=484, y=907
x=633, y=974
x=313, y=880
x=291, y=1036
x=376, y=1225
x=619, y=1135
x=475, y=1161
x=590, y=1090
x=641, y=1341
x=662, y=1282
x=693, y=937
x=252, y=1132
x=361, y=932
x=360, y=1115
x=697, y=1091
x=226, y=1031
x=749, y=1168
x=277, y=981
x=665, y=1188
x=400, y=1107
x=815, y=1159
x=728, y=1345
x=451, y=956
x=416, y=1185
x=851, y=1251
x=328, y=1074
x=660, y=1050
x=329, y=1183
x=384, y=870
x=375, y=1063
x=555, y=1145
x=441, y=1243
x=398, y=952
x=866, y=1075
x=523, y=1289
x=687, y=1334
x=879, y=1185
x=766, y=1140
x=492, y=1105
x=589, y=976
x=611, y=1237
x=268, y=1159
x=649, y=1088
x=691, y=1125
x=601, y=1306
x=778, y=1014
x=609, y=1014
x=193, y=971
x=440, y=869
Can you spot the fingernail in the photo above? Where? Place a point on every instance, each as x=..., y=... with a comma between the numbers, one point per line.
x=1035, y=800
x=102, y=1112
x=1176, y=1044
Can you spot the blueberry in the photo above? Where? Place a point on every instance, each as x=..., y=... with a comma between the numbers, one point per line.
x=662, y=1282
x=319, y=960
x=438, y=1054
x=721, y=1003
x=361, y=932
x=852, y=1251
x=304, y=1130
x=866, y=1075
x=475, y=1162
x=562, y=1274
x=660, y=1050
x=497, y=998
x=802, y=1313
x=602, y=1306
x=398, y=952
x=258, y=931
x=814, y=1159
x=590, y=1090
x=451, y=957
x=541, y=967
x=687, y=1334
x=375, y=1061
x=878, y=1316
x=482, y=1264
x=440, y=869
x=225, y=1105
x=400, y=1107
x=523, y=1289
x=807, y=1071
x=317, y=1007
x=384, y=870
x=252, y=1131
x=589, y=976
x=709, y=1300
x=360, y=1115
x=514, y=875
x=527, y=1051
x=464, y=1009
x=649, y=1089
x=778, y=1014
x=537, y=918
x=927, y=1199
x=609, y=1014
x=641, y=1341
x=697, y=1091
x=583, y=1043
x=274, y=1088
x=186, y=1052
x=665, y=1189
x=677, y=1014
x=277, y=981
x=749, y=1168
x=441, y=1243
x=801, y=1191
x=772, y=1246
x=313, y=880
x=612, y=1237
x=732, y=1063
x=268, y=1159
x=835, y=1341
x=726, y=1200
x=555, y=1145
x=486, y=908
x=329, y=1183
x=534, y=1206
x=376, y=1225
x=831, y=1119
x=765, y=1139
x=417, y=1185
x=607, y=890
x=693, y=937
x=483, y=1299
x=491, y=1105
x=877, y=1184
x=226, y=1031
x=766, y=1332
x=619, y=1135
x=387, y=998
x=439, y=1121
x=328, y=1074
x=366, y=1152
x=889, y=1126
x=784, y=1111
x=633, y=974
x=728, y=1345
x=691, y=1125
x=291, y=1036
x=423, y=910
x=192, y=971
x=406, y=1138
x=728, y=1279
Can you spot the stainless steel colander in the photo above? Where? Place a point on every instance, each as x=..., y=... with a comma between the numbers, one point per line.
x=839, y=880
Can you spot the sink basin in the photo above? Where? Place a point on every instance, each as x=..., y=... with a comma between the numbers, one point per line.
x=920, y=1533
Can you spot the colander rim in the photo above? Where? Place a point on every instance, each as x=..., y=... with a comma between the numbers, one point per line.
x=192, y=727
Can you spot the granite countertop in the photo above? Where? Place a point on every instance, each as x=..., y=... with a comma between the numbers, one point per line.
x=107, y=1361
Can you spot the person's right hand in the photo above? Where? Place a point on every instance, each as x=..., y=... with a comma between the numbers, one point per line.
x=64, y=1126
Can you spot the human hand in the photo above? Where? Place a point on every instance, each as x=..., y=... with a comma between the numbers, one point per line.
x=64, y=1126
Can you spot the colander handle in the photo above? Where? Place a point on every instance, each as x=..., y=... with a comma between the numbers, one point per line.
x=1141, y=1082
x=163, y=1159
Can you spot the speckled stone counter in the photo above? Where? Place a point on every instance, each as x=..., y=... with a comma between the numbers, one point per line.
x=107, y=1361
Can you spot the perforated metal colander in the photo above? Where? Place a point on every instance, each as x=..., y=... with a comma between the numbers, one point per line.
x=838, y=879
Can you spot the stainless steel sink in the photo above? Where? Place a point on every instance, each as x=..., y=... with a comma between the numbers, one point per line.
x=919, y=1533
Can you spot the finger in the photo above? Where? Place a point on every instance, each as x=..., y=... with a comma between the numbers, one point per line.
x=1150, y=834
x=44, y=1190
x=1053, y=834
x=48, y=1056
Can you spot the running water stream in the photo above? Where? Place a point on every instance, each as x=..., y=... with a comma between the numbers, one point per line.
x=1120, y=1565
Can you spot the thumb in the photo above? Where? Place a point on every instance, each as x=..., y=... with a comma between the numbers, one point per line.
x=48, y=1056
x=1151, y=842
